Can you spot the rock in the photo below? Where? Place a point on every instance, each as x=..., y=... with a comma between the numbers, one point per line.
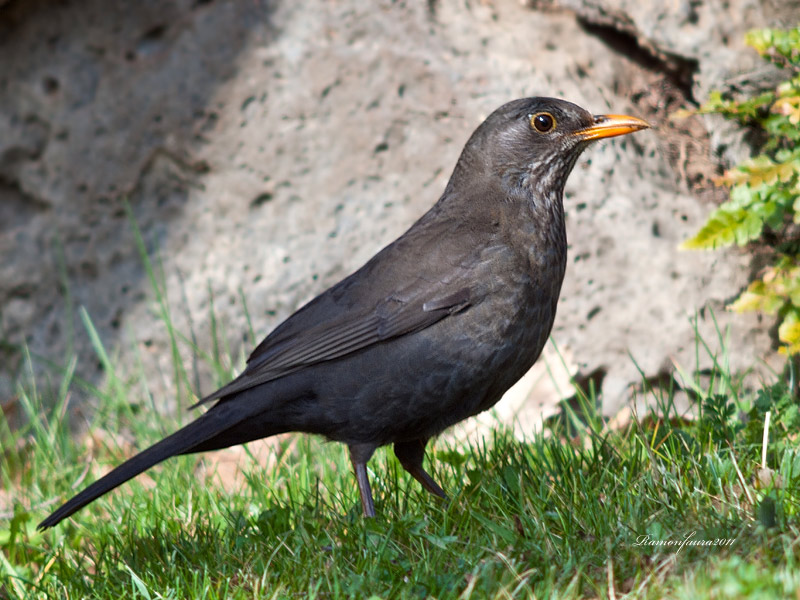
x=268, y=149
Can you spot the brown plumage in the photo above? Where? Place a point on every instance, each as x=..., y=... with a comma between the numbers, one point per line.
x=433, y=329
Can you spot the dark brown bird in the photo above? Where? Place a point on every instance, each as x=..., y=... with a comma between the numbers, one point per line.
x=433, y=329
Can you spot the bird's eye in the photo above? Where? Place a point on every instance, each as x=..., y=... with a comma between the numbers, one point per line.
x=543, y=122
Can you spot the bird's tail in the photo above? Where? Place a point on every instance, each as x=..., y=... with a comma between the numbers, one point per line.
x=218, y=419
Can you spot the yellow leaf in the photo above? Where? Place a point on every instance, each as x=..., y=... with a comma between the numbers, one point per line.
x=770, y=275
x=748, y=301
x=682, y=113
x=730, y=178
x=789, y=107
x=770, y=174
x=758, y=171
x=789, y=334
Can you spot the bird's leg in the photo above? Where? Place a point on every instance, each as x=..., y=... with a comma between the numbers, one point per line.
x=410, y=455
x=359, y=455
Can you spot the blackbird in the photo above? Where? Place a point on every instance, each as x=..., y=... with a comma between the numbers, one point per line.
x=433, y=329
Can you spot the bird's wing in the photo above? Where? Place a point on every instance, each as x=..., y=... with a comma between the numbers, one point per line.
x=375, y=304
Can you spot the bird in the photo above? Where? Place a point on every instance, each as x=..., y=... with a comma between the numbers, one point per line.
x=431, y=330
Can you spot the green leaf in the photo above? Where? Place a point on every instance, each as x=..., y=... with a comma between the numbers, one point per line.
x=773, y=214
x=779, y=46
x=723, y=228
x=751, y=228
x=765, y=189
x=742, y=197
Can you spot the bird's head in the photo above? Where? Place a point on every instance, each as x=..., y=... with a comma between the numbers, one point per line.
x=532, y=144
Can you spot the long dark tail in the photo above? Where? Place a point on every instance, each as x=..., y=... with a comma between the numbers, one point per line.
x=216, y=420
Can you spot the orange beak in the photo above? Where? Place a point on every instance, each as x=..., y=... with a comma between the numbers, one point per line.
x=606, y=126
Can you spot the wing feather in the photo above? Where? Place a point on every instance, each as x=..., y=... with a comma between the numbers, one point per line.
x=344, y=335
x=411, y=284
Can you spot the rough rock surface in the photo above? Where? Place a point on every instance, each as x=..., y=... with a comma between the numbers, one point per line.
x=267, y=149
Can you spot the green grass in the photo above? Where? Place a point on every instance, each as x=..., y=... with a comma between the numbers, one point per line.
x=555, y=516
x=564, y=514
